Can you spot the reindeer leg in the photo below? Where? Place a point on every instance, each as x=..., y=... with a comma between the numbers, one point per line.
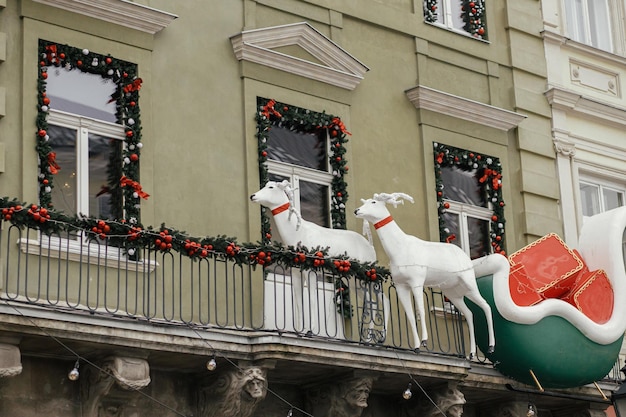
x=418, y=295
x=297, y=296
x=404, y=295
x=480, y=302
x=459, y=303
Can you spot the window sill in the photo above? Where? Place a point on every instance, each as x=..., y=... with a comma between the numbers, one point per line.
x=77, y=252
x=456, y=31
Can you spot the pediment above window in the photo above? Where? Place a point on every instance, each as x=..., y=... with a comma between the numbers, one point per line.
x=462, y=108
x=302, y=50
x=121, y=12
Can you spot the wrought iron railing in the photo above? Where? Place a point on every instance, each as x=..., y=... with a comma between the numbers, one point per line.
x=74, y=271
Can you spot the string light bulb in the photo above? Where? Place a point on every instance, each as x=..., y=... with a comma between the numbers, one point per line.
x=407, y=394
x=290, y=413
x=74, y=374
x=531, y=410
x=211, y=364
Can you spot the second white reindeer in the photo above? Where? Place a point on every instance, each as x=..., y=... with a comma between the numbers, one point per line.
x=416, y=263
x=295, y=231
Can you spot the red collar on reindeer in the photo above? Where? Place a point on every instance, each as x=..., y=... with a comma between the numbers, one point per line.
x=383, y=222
x=280, y=209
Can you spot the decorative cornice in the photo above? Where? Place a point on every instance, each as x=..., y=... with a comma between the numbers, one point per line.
x=462, y=108
x=570, y=101
x=121, y=12
x=337, y=66
x=572, y=45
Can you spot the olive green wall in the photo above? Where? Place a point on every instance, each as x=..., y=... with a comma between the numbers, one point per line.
x=198, y=105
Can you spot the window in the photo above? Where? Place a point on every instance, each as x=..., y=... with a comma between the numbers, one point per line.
x=469, y=193
x=86, y=142
x=306, y=148
x=461, y=15
x=598, y=195
x=89, y=132
x=589, y=22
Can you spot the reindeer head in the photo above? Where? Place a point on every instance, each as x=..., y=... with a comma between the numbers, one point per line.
x=375, y=209
x=274, y=194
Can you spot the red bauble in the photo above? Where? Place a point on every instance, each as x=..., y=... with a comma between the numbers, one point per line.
x=494, y=218
x=108, y=60
x=134, y=157
x=481, y=31
x=41, y=133
x=45, y=101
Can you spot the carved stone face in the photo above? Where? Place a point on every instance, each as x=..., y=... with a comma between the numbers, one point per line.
x=255, y=388
x=358, y=396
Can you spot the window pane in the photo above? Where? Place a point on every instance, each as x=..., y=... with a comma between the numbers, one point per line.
x=103, y=152
x=314, y=203
x=590, y=198
x=302, y=149
x=451, y=222
x=462, y=186
x=575, y=20
x=81, y=93
x=64, y=193
x=478, y=231
x=599, y=24
x=457, y=14
x=612, y=199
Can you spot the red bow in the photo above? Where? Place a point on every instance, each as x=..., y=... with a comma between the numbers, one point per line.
x=51, y=53
x=134, y=86
x=124, y=181
x=52, y=163
x=337, y=122
x=495, y=184
x=440, y=158
x=269, y=108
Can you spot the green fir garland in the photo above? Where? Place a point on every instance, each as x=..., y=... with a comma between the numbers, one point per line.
x=489, y=174
x=123, y=168
x=474, y=18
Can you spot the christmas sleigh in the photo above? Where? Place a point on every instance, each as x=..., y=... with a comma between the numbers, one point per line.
x=559, y=314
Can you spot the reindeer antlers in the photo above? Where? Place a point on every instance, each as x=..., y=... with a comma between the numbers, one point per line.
x=393, y=198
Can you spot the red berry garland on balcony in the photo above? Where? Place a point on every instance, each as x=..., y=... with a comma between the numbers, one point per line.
x=489, y=175
x=124, y=163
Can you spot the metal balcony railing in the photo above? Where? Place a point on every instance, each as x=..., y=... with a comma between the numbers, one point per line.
x=66, y=271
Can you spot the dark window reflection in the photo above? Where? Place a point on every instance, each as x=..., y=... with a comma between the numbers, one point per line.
x=302, y=149
x=102, y=199
x=64, y=193
x=314, y=203
x=451, y=221
x=478, y=237
x=462, y=186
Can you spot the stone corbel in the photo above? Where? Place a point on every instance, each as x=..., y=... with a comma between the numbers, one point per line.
x=10, y=357
x=127, y=373
x=343, y=397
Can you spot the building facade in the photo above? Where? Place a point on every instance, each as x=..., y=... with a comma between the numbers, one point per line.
x=134, y=133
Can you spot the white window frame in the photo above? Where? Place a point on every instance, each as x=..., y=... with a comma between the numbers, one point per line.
x=84, y=126
x=603, y=184
x=295, y=173
x=614, y=13
x=464, y=211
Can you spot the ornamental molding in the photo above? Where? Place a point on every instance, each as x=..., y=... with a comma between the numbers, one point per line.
x=337, y=66
x=462, y=108
x=121, y=12
x=573, y=102
x=581, y=48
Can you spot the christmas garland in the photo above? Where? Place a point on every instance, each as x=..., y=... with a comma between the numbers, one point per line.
x=472, y=12
x=123, y=174
x=134, y=237
x=271, y=113
x=489, y=174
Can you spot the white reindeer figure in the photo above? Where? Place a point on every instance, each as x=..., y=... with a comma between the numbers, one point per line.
x=295, y=231
x=416, y=263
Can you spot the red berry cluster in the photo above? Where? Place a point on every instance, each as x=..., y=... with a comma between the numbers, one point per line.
x=164, y=241
x=39, y=214
x=262, y=258
x=232, y=250
x=193, y=248
x=101, y=229
x=319, y=261
x=371, y=273
x=134, y=233
x=300, y=258
x=7, y=213
x=342, y=265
